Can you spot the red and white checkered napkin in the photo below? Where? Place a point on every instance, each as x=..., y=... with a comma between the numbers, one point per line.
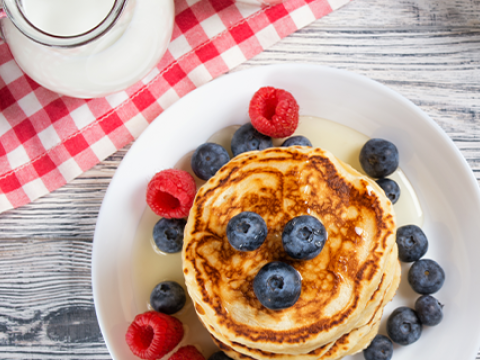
x=47, y=140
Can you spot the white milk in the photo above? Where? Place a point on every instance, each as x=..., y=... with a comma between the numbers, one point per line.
x=66, y=17
x=123, y=56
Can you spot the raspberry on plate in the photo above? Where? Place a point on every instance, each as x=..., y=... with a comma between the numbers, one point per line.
x=171, y=192
x=151, y=335
x=188, y=352
x=274, y=112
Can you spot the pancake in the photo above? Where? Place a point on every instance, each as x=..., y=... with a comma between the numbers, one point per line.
x=350, y=343
x=280, y=184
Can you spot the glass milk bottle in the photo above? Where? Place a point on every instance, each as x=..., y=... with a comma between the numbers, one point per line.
x=87, y=48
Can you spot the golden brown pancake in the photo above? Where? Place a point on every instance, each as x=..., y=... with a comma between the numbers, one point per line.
x=349, y=343
x=280, y=184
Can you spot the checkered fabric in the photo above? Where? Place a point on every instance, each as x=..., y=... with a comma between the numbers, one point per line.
x=47, y=140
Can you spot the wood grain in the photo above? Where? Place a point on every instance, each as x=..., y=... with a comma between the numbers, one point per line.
x=426, y=50
x=46, y=300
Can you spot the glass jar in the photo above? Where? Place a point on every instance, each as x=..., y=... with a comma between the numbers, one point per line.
x=87, y=48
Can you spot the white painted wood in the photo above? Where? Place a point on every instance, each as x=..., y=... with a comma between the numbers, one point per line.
x=427, y=50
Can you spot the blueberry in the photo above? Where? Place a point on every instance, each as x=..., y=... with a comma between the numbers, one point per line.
x=379, y=158
x=277, y=285
x=219, y=355
x=303, y=237
x=412, y=243
x=391, y=189
x=404, y=326
x=168, y=297
x=426, y=276
x=246, y=231
x=381, y=348
x=168, y=234
x=208, y=159
x=297, y=140
x=246, y=138
x=429, y=310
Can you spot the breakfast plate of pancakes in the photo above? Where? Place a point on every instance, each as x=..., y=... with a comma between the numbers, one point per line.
x=441, y=178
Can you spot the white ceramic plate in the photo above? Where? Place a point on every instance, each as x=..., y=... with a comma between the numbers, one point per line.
x=444, y=183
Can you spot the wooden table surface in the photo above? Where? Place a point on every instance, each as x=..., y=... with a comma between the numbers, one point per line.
x=426, y=50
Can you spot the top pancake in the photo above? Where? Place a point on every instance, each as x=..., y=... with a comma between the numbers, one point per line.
x=280, y=184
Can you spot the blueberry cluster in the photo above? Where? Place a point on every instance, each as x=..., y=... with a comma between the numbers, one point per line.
x=278, y=285
x=404, y=326
x=379, y=158
x=168, y=297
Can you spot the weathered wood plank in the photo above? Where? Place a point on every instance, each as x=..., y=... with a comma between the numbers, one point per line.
x=46, y=301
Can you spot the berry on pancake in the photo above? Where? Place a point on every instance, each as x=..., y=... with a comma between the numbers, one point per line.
x=246, y=231
x=277, y=285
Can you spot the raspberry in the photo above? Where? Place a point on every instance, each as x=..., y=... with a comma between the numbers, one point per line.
x=151, y=335
x=188, y=352
x=170, y=193
x=274, y=112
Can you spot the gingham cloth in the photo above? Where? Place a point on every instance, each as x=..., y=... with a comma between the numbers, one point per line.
x=47, y=140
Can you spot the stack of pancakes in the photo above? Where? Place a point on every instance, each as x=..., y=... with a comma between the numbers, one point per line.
x=344, y=288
